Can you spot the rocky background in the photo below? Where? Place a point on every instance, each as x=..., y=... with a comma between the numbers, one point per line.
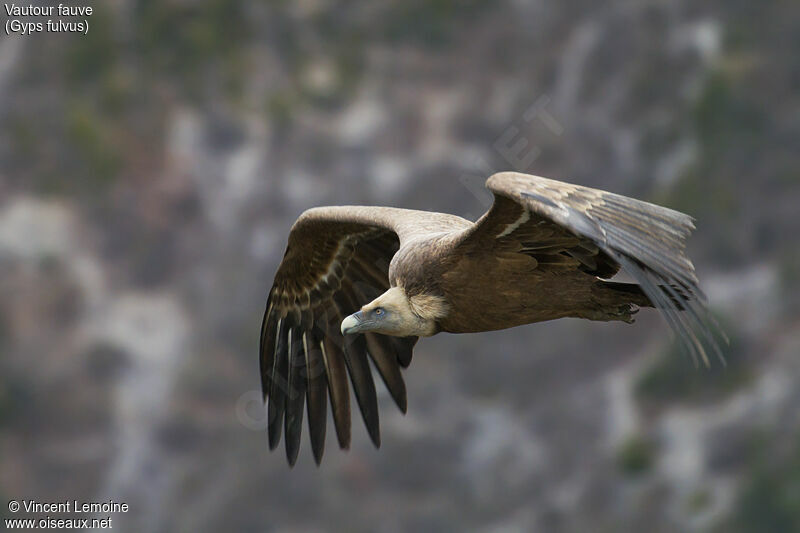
x=150, y=171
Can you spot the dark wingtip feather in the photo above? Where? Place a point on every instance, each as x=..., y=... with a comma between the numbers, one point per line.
x=385, y=359
x=316, y=397
x=363, y=385
x=403, y=406
x=338, y=390
x=278, y=384
x=295, y=396
x=266, y=349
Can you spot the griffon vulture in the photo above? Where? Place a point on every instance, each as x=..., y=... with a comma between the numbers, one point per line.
x=359, y=283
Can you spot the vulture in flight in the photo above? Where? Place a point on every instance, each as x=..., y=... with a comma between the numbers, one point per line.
x=364, y=283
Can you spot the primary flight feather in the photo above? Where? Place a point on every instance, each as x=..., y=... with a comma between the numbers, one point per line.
x=364, y=283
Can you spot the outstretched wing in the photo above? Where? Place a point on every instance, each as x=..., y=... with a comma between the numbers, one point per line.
x=599, y=232
x=336, y=261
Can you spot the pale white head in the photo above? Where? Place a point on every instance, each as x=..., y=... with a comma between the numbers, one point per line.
x=393, y=313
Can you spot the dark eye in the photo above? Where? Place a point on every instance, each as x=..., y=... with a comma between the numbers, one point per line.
x=379, y=311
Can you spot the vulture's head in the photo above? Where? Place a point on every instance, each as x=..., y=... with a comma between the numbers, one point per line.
x=394, y=313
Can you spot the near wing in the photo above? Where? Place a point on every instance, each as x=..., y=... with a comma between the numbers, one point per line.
x=336, y=261
x=647, y=240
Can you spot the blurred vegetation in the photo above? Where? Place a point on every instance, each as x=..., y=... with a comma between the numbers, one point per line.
x=673, y=379
x=190, y=39
x=724, y=120
x=699, y=501
x=91, y=57
x=769, y=499
x=10, y=396
x=93, y=145
x=789, y=279
x=341, y=37
x=5, y=401
x=17, y=400
x=636, y=455
x=281, y=106
x=726, y=117
x=428, y=22
x=734, y=127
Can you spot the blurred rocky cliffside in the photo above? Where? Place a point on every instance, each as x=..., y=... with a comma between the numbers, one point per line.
x=150, y=171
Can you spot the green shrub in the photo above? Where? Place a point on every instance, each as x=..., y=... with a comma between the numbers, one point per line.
x=636, y=455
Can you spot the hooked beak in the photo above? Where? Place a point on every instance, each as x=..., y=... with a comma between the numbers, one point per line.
x=353, y=323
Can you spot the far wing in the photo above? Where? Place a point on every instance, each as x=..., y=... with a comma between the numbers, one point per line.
x=600, y=232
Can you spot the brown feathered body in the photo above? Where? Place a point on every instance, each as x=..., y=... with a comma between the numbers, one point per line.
x=545, y=250
x=533, y=274
x=486, y=292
